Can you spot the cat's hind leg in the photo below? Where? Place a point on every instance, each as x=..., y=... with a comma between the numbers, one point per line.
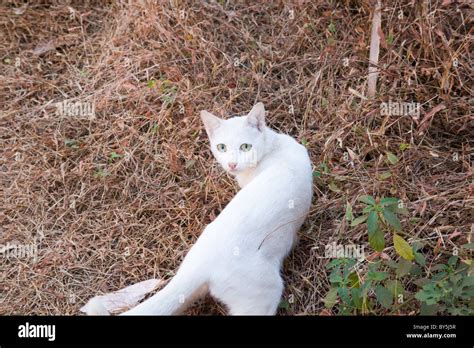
x=251, y=296
x=255, y=306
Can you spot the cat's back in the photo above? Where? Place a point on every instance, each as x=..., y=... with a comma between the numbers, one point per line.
x=293, y=153
x=290, y=161
x=281, y=189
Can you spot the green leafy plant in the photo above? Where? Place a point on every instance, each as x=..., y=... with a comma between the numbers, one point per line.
x=392, y=159
x=344, y=280
x=449, y=291
x=382, y=216
x=357, y=294
x=381, y=286
x=332, y=28
x=72, y=143
x=404, y=146
x=322, y=169
x=114, y=156
x=151, y=83
x=154, y=128
x=390, y=39
x=169, y=92
x=100, y=172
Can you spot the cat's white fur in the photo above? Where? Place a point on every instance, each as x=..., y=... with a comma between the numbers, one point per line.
x=239, y=255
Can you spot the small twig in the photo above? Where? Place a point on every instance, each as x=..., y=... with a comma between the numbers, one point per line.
x=374, y=51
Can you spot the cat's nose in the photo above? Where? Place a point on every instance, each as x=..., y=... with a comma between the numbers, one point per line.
x=232, y=165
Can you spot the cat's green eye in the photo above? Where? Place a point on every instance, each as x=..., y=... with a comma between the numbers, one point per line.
x=221, y=147
x=245, y=147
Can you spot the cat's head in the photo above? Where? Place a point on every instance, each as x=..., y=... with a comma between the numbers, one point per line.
x=237, y=143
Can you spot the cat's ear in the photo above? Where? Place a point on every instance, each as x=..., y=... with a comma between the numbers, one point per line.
x=210, y=121
x=256, y=116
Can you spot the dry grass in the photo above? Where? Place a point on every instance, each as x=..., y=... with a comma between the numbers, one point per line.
x=150, y=68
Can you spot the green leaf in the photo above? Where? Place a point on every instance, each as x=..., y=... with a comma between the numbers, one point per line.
x=151, y=83
x=335, y=278
x=71, y=143
x=368, y=209
x=404, y=267
x=420, y=282
x=392, y=219
x=385, y=175
x=377, y=276
x=439, y=267
x=367, y=199
x=386, y=201
x=430, y=294
x=344, y=295
x=100, y=172
x=401, y=211
x=357, y=297
x=324, y=167
x=333, y=187
x=377, y=240
x=391, y=157
x=372, y=222
x=468, y=246
x=390, y=39
x=418, y=244
x=395, y=287
x=391, y=263
x=354, y=281
x=349, y=215
x=426, y=309
x=403, y=248
x=384, y=296
x=453, y=260
x=330, y=298
x=332, y=27
x=365, y=287
x=359, y=220
x=468, y=281
x=334, y=263
x=439, y=276
x=115, y=155
x=404, y=146
x=420, y=259
x=423, y=295
x=374, y=266
x=416, y=270
x=284, y=304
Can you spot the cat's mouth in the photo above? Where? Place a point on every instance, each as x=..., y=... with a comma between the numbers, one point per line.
x=233, y=171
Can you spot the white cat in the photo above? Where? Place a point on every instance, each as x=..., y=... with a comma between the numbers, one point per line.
x=239, y=255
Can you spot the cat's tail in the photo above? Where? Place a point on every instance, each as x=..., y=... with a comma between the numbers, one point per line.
x=120, y=300
x=96, y=306
x=174, y=298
